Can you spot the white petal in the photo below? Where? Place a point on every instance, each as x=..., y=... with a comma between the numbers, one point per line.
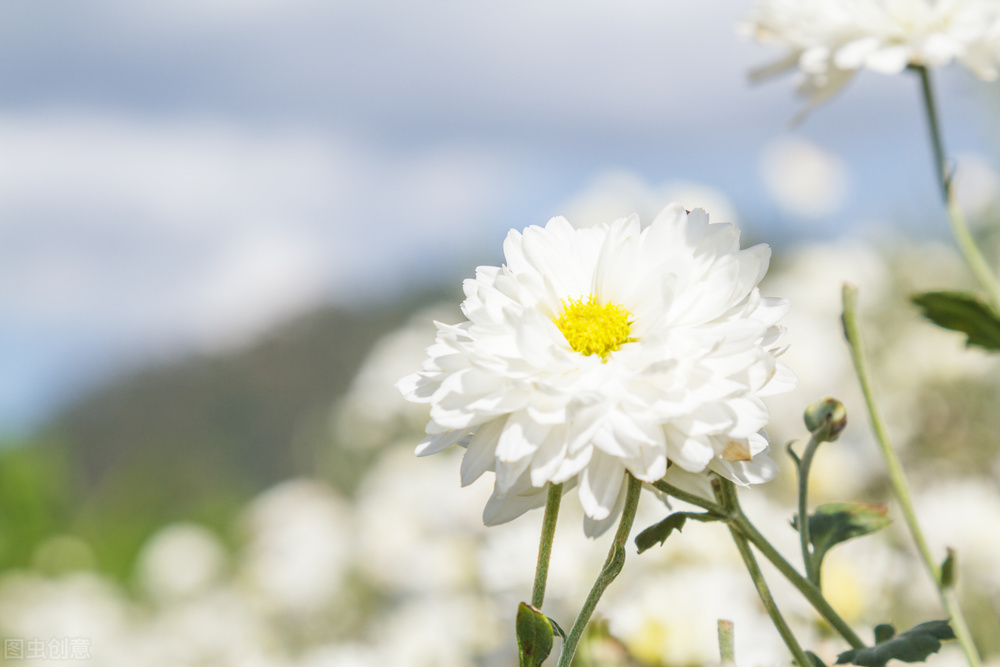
x=433, y=444
x=689, y=452
x=594, y=528
x=695, y=483
x=481, y=453
x=549, y=456
x=758, y=471
x=501, y=508
x=600, y=484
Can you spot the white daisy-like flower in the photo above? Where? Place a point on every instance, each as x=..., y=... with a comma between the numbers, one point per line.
x=831, y=39
x=597, y=351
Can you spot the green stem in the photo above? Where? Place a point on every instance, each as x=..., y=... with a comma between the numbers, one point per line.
x=689, y=498
x=545, y=544
x=808, y=562
x=898, y=479
x=973, y=257
x=736, y=518
x=808, y=590
x=612, y=567
x=726, y=495
x=727, y=643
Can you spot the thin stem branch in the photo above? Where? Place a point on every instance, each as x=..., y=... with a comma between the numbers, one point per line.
x=727, y=643
x=690, y=498
x=545, y=544
x=612, y=567
x=805, y=463
x=897, y=478
x=726, y=495
x=942, y=174
x=736, y=518
x=808, y=590
x=973, y=257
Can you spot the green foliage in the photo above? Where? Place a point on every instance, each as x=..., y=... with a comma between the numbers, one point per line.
x=35, y=499
x=965, y=312
x=914, y=645
x=534, y=635
x=814, y=659
x=151, y=490
x=659, y=532
x=839, y=522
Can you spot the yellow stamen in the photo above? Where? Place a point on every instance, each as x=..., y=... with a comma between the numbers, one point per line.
x=591, y=328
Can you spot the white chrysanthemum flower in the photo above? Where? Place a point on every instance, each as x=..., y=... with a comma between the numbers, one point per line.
x=831, y=39
x=597, y=351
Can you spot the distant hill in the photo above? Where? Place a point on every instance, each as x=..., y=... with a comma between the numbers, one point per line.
x=195, y=439
x=241, y=410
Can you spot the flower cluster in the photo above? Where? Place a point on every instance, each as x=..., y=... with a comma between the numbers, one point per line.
x=831, y=39
x=597, y=351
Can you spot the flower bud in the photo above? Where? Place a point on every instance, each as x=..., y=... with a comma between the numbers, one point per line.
x=828, y=416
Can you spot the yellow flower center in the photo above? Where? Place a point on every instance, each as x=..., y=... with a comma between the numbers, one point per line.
x=591, y=328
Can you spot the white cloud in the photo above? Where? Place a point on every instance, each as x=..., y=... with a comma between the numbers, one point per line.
x=197, y=232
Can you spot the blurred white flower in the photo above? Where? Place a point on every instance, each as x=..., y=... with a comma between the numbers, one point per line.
x=804, y=179
x=372, y=412
x=416, y=533
x=438, y=631
x=346, y=654
x=298, y=547
x=179, y=561
x=218, y=628
x=609, y=349
x=964, y=514
x=669, y=617
x=830, y=39
x=977, y=186
x=82, y=604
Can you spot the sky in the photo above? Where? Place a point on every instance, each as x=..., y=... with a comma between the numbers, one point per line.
x=180, y=176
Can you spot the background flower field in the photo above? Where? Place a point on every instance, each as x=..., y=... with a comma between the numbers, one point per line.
x=390, y=564
x=208, y=291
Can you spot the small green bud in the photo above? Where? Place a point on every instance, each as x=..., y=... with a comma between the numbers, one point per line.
x=829, y=414
x=884, y=632
x=948, y=570
x=534, y=635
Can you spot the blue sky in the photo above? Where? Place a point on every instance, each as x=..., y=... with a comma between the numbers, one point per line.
x=179, y=176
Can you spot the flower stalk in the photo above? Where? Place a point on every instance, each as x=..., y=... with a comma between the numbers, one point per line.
x=545, y=544
x=943, y=173
x=612, y=567
x=802, y=520
x=734, y=516
x=897, y=477
x=726, y=494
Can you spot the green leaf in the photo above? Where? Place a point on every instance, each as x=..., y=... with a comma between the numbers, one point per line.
x=912, y=646
x=838, y=522
x=965, y=312
x=534, y=635
x=814, y=659
x=556, y=628
x=659, y=532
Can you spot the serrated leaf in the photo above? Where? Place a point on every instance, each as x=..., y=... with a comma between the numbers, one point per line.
x=838, y=522
x=534, y=635
x=659, y=532
x=914, y=645
x=965, y=312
